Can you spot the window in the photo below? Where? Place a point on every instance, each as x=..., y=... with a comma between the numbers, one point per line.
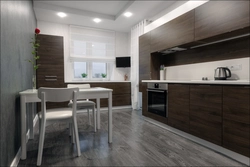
x=92, y=51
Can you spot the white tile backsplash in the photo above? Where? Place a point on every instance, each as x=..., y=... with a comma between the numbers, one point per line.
x=199, y=70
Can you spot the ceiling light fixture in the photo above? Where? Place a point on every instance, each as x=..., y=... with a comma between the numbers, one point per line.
x=128, y=14
x=61, y=14
x=97, y=20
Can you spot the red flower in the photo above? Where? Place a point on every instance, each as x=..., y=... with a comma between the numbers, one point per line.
x=37, y=31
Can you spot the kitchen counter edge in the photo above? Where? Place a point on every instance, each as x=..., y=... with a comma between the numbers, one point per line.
x=215, y=82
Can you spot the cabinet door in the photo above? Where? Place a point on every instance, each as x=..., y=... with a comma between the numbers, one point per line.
x=236, y=119
x=218, y=17
x=178, y=106
x=206, y=112
x=176, y=32
x=144, y=59
x=51, y=70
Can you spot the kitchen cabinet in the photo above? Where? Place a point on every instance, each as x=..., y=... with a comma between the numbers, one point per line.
x=121, y=95
x=206, y=112
x=144, y=68
x=218, y=17
x=178, y=106
x=174, y=33
x=144, y=58
x=51, y=69
x=236, y=119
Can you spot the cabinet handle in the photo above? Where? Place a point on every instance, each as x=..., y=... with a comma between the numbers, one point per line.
x=50, y=79
x=50, y=76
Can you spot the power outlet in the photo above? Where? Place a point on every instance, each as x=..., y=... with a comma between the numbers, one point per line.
x=235, y=67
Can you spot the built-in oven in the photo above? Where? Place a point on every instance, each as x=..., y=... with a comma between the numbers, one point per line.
x=158, y=98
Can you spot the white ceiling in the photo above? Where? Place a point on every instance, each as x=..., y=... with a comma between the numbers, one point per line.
x=111, y=12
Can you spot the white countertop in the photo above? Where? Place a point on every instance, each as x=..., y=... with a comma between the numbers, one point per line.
x=216, y=82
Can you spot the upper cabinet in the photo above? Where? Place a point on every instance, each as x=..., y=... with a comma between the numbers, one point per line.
x=218, y=17
x=176, y=32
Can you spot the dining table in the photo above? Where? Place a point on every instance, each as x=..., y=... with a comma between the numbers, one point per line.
x=30, y=96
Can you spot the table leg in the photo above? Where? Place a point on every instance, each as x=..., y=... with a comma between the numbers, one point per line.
x=98, y=113
x=31, y=127
x=110, y=117
x=23, y=127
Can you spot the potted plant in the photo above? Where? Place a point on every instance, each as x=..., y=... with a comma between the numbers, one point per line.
x=103, y=76
x=84, y=75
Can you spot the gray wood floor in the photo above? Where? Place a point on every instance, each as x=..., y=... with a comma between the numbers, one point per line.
x=135, y=143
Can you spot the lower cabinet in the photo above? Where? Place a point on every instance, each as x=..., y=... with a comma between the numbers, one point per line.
x=206, y=112
x=236, y=119
x=178, y=106
x=217, y=113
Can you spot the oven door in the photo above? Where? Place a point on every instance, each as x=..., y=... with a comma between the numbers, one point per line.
x=157, y=102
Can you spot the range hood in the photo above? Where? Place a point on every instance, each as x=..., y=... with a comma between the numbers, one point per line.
x=198, y=44
x=172, y=50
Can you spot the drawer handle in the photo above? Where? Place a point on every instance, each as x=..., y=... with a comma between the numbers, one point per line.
x=50, y=79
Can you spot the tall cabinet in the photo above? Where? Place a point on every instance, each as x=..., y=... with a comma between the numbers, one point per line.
x=51, y=63
x=51, y=69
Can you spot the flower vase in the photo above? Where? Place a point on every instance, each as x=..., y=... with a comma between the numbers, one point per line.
x=34, y=81
x=162, y=73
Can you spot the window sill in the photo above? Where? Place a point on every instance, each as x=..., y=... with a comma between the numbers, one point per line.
x=94, y=81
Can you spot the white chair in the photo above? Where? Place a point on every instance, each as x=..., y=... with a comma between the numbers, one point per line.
x=84, y=104
x=49, y=116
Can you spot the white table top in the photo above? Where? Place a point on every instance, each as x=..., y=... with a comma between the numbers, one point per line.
x=94, y=89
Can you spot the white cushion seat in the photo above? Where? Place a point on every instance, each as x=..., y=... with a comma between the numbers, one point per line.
x=53, y=114
x=82, y=104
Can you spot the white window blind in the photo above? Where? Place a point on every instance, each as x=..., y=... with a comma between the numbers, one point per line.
x=91, y=45
x=92, y=51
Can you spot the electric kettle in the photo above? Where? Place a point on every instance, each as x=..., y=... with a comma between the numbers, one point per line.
x=222, y=73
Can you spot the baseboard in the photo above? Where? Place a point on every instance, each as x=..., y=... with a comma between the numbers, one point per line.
x=233, y=155
x=18, y=155
x=116, y=108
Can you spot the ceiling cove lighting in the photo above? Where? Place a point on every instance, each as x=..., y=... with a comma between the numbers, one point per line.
x=128, y=14
x=61, y=14
x=97, y=20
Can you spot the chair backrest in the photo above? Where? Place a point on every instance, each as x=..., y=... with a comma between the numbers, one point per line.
x=57, y=94
x=81, y=86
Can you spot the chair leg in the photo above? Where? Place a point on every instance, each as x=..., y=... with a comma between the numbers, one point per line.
x=94, y=118
x=41, y=142
x=70, y=129
x=88, y=116
x=73, y=133
x=76, y=137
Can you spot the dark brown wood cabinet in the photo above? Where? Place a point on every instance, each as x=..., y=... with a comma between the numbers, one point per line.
x=121, y=95
x=219, y=17
x=178, y=106
x=144, y=58
x=144, y=68
x=174, y=33
x=206, y=112
x=236, y=119
x=51, y=70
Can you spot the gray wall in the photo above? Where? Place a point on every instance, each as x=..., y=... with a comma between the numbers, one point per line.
x=18, y=23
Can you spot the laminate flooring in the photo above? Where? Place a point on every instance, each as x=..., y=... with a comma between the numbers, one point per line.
x=135, y=143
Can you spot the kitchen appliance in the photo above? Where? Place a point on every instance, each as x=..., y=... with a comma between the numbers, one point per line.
x=157, y=98
x=222, y=73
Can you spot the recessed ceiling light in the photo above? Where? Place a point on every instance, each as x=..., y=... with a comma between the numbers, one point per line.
x=128, y=14
x=61, y=14
x=97, y=20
